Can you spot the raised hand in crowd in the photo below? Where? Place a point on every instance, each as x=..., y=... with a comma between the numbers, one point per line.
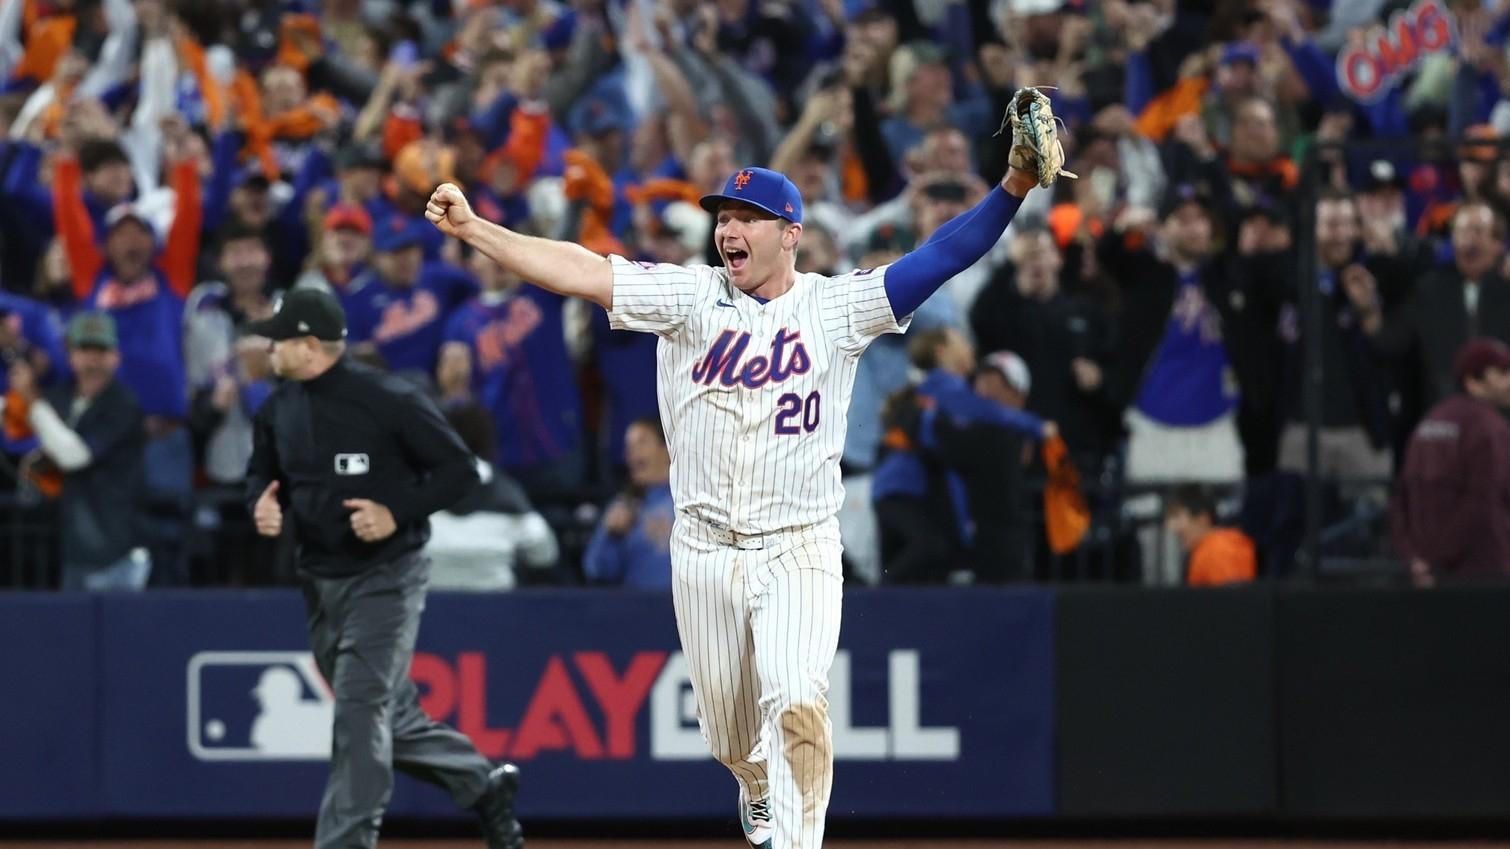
x=620, y=517
x=704, y=24
x=178, y=143
x=1191, y=132
x=226, y=394
x=1473, y=24
x=1087, y=374
x=1133, y=219
x=1331, y=133
x=453, y=375
x=997, y=65
x=23, y=380
x=1379, y=236
x=1363, y=290
x=153, y=17
x=1258, y=235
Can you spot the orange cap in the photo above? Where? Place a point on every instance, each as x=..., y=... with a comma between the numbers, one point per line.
x=422, y=165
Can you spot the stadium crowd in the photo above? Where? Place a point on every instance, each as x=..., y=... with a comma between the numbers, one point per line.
x=167, y=168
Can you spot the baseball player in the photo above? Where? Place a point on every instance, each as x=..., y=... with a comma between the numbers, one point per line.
x=755, y=366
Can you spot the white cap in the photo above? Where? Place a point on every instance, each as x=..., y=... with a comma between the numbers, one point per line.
x=1011, y=367
x=1035, y=7
x=690, y=223
x=135, y=211
x=547, y=202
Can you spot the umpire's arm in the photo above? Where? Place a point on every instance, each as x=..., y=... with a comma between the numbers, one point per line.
x=449, y=471
x=262, y=469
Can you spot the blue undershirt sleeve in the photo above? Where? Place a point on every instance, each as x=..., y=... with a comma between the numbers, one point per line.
x=956, y=246
x=968, y=407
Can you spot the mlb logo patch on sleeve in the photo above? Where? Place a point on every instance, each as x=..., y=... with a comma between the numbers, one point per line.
x=352, y=464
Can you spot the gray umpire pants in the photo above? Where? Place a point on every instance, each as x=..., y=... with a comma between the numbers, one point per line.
x=362, y=631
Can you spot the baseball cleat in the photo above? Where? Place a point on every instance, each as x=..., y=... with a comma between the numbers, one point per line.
x=496, y=809
x=755, y=819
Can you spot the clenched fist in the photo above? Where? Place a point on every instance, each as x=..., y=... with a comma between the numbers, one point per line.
x=449, y=210
x=268, y=514
x=370, y=521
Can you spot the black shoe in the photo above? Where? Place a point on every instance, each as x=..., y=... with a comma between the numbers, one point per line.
x=496, y=809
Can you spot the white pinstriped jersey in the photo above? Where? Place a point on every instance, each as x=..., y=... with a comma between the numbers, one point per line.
x=754, y=397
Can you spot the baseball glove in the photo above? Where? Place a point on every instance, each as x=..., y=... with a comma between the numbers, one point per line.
x=1035, y=140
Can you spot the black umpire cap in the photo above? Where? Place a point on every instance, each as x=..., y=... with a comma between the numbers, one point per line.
x=304, y=312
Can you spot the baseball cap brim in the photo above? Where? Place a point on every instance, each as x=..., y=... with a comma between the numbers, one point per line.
x=285, y=325
x=276, y=327
x=397, y=242
x=711, y=203
x=92, y=331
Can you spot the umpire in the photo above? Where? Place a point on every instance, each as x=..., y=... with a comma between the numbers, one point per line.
x=359, y=460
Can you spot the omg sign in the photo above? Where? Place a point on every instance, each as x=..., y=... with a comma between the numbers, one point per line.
x=1369, y=67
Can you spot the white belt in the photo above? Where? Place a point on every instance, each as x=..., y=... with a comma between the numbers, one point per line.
x=735, y=539
x=731, y=538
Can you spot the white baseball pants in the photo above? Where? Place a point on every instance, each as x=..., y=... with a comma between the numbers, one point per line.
x=759, y=624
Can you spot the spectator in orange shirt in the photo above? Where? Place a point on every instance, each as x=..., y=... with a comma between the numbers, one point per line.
x=1217, y=555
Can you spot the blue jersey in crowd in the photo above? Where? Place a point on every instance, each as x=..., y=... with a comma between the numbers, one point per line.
x=39, y=328
x=149, y=320
x=406, y=323
x=1190, y=382
x=385, y=214
x=522, y=373
x=626, y=360
x=640, y=558
x=943, y=393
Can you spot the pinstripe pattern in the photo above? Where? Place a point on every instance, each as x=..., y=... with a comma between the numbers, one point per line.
x=754, y=399
x=729, y=466
x=759, y=630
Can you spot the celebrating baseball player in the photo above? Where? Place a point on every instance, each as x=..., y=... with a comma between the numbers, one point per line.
x=755, y=368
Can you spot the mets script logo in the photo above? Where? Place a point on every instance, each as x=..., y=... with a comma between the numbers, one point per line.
x=500, y=339
x=741, y=180
x=115, y=295
x=258, y=706
x=726, y=360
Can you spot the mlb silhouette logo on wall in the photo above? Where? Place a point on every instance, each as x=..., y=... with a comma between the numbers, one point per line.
x=258, y=706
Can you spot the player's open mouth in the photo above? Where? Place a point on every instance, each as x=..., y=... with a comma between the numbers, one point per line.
x=735, y=258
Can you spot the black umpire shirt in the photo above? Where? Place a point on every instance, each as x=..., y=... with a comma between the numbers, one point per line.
x=354, y=432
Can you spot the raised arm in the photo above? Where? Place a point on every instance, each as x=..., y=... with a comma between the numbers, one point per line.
x=561, y=267
x=959, y=244
x=74, y=226
x=1034, y=158
x=181, y=252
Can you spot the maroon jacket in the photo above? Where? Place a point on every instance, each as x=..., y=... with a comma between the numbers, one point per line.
x=1451, y=506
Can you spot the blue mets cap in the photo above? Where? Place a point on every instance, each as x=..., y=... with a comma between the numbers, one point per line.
x=398, y=232
x=1240, y=51
x=763, y=188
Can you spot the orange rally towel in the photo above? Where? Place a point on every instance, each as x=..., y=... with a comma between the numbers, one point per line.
x=1066, y=517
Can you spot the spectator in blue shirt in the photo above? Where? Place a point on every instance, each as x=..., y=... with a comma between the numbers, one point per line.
x=401, y=305
x=632, y=546
x=523, y=374
x=29, y=333
x=949, y=477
